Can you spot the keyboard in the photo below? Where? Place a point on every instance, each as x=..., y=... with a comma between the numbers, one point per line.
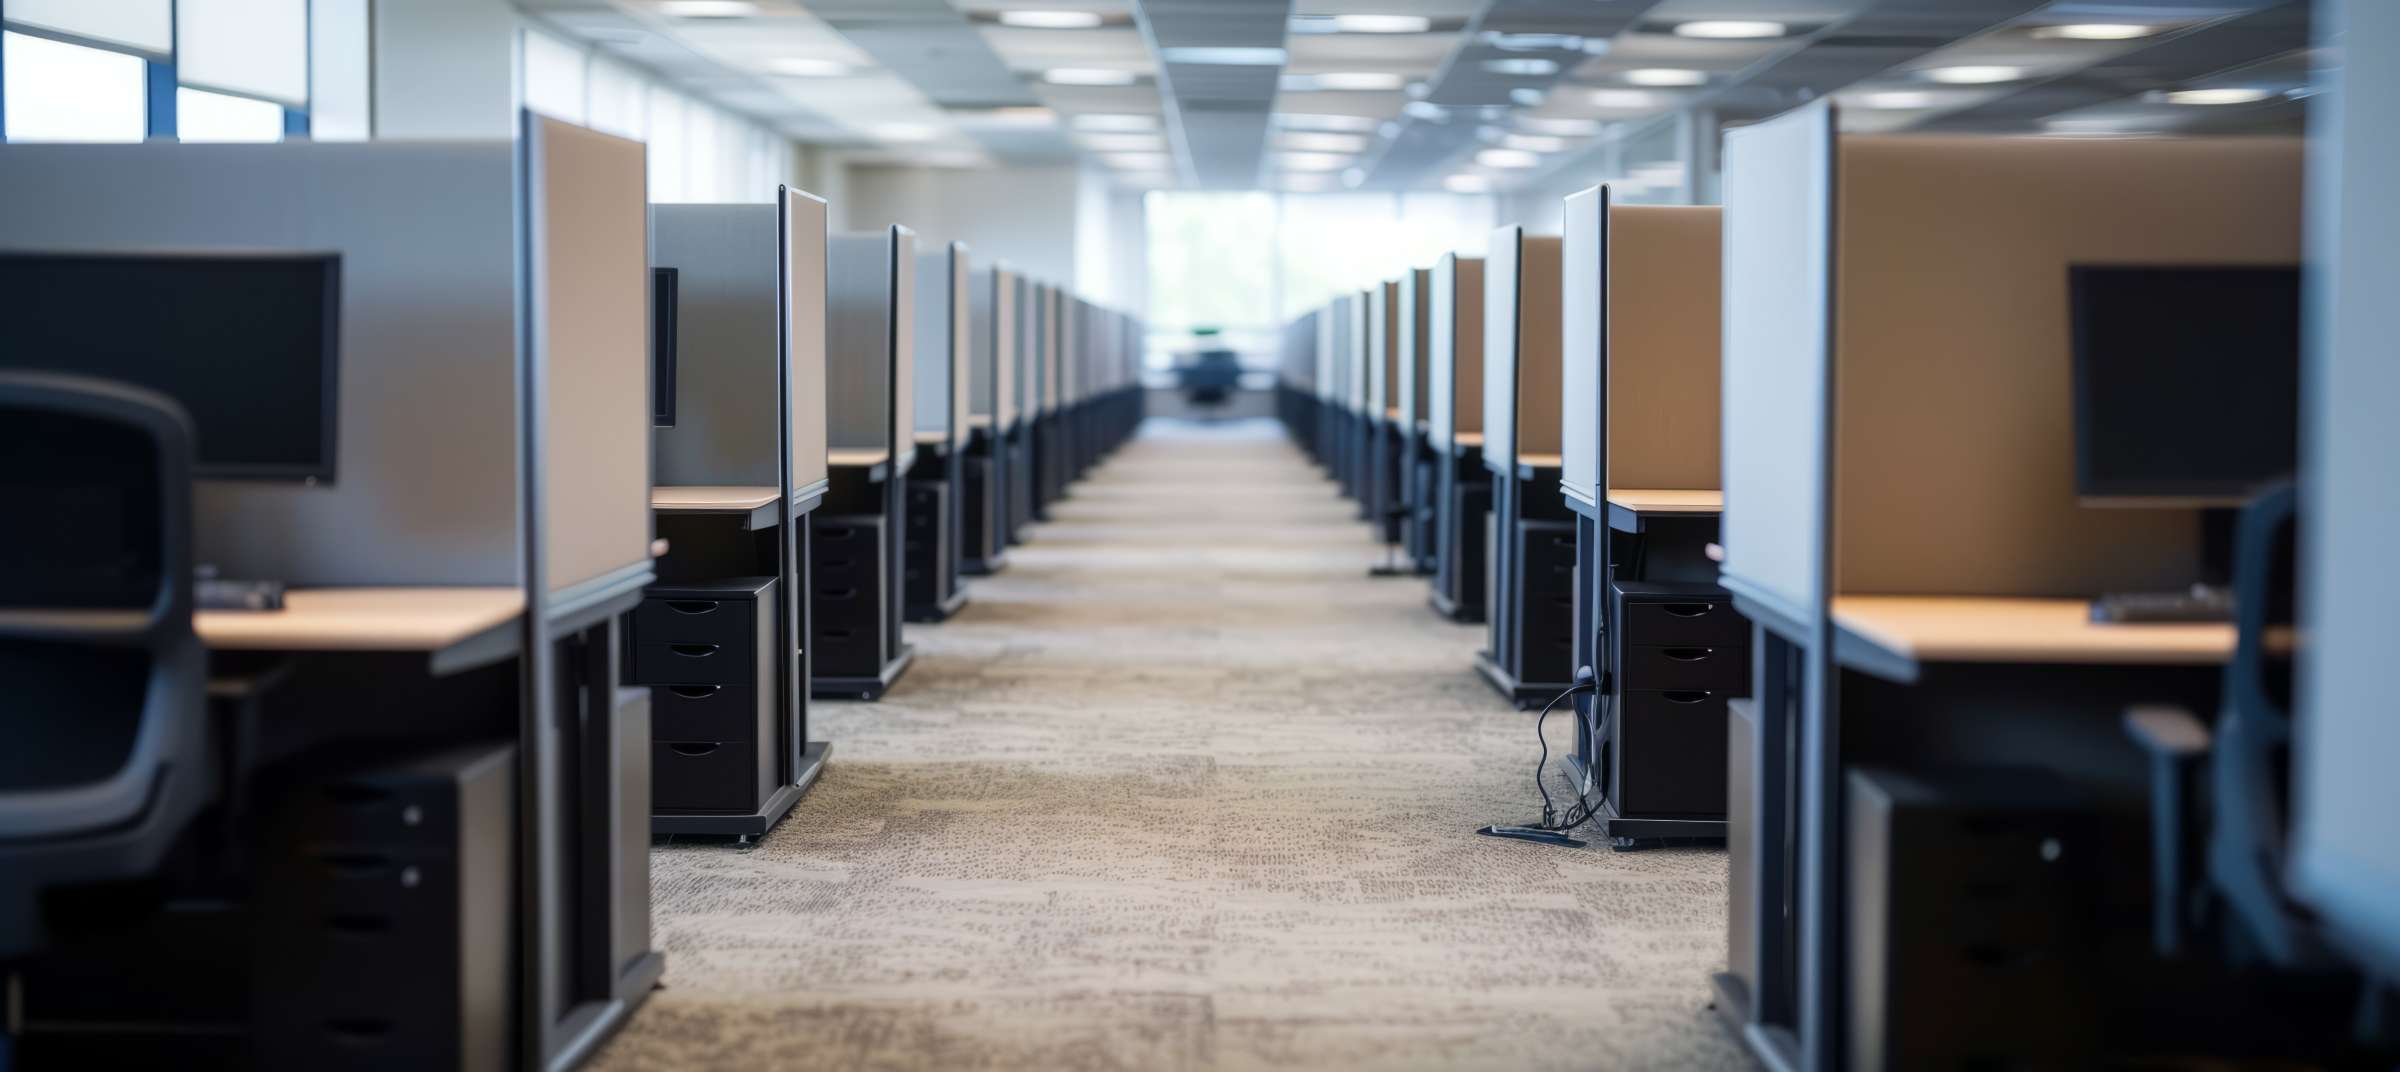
x=2199, y=603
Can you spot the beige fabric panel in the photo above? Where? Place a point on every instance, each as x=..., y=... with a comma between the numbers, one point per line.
x=902, y=314
x=1004, y=347
x=804, y=313
x=591, y=284
x=1538, y=346
x=1955, y=428
x=962, y=342
x=1466, y=357
x=1502, y=317
x=1664, y=369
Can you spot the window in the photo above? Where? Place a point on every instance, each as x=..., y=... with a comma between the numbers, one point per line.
x=337, y=70
x=252, y=47
x=204, y=116
x=616, y=99
x=61, y=92
x=554, y=79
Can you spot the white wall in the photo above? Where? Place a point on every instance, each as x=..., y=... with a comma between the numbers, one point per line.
x=1025, y=216
x=445, y=69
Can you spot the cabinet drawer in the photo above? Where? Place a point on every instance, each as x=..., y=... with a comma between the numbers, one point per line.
x=694, y=663
x=704, y=776
x=726, y=623
x=704, y=713
x=1658, y=667
x=1702, y=623
x=1669, y=751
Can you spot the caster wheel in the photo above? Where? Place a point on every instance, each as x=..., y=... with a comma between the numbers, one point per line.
x=1623, y=844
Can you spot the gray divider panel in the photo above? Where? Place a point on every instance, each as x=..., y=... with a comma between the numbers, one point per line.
x=1583, y=254
x=859, y=388
x=727, y=343
x=804, y=264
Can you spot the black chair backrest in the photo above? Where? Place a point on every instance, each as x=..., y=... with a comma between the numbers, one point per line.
x=105, y=680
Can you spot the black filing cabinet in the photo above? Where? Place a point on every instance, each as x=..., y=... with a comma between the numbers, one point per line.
x=706, y=649
x=848, y=626
x=926, y=581
x=1677, y=653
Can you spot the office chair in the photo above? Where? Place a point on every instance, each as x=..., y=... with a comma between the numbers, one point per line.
x=105, y=761
x=2247, y=755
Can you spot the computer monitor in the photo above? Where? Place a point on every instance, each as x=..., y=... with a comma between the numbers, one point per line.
x=664, y=283
x=246, y=343
x=2187, y=382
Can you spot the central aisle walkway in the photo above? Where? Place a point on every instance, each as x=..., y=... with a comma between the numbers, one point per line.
x=1182, y=789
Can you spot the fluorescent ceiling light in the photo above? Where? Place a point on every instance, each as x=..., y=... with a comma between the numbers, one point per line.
x=1535, y=143
x=1116, y=121
x=1508, y=158
x=1313, y=161
x=1896, y=98
x=1124, y=143
x=1571, y=128
x=1525, y=96
x=1138, y=161
x=1522, y=66
x=708, y=9
x=1533, y=42
x=1308, y=121
x=1358, y=80
x=2223, y=95
x=1381, y=23
x=808, y=67
x=1426, y=110
x=1089, y=76
x=1467, y=184
x=904, y=132
x=1973, y=74
x=2096, y=31
x=1223, y=57
x=1016, y=115
x=1050, y=20
x=1729, y=29
x=1332, y=143
x=1624, y=98
x=1665, y=76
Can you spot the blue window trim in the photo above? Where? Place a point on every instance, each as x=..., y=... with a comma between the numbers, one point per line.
x=159, y=79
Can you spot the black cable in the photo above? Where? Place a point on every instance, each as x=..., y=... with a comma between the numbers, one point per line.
x=1541, y=768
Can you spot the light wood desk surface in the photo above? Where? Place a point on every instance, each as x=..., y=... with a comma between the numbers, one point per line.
x=1541, y=461
x=933, y=439
x=979, y=420
x=1391, y=413
x=1667, y=501
x=1467, y=439
x=857, y=457
x=1974, y=629
x=364, y=619
x=710, y=498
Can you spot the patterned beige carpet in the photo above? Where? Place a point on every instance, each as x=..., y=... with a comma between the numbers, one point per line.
x=1182, y=789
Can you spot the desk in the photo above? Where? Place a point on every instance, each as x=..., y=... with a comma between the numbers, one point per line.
x=1530, y=466
x=459, y=628
x=754, y=504
x=1892, y=637
x=933, y=439
x=875, y=460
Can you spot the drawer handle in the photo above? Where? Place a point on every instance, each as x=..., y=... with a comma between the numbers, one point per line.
x=1683, y=697
x=1686, y=610
x=837, y=593
x=1688, y=655
x=837, y=563
x=690, y=606
x=836, y=534
x=834, y=634
x=691, y=749
x=693, y=651
x=694, y=692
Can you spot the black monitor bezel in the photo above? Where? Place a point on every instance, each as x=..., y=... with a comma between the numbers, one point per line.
x=2090, y=490
x=329, y=350
x=664, y=342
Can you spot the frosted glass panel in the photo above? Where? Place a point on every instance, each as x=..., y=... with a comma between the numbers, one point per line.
x=62, y=92
x=144, y=24
x=204, y=116
x=337, y=75
x=248, y=46
x=617, y=99
x=553, y=77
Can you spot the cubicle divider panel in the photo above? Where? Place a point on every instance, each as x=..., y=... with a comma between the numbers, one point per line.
x=804, y=273
x=426, y=376
x=1956, y=470
x=1535, y=410
x=962, y=342
x=728, y=344
x=1381, y=384
x=1414, y=353
x=982, y=313
x=1503, y=345
x=934, y=329
x=1007, y=342
x=589, y=272
x=860, y=394
x=1664, y=367
x=1454, y=356
x=900, y=310
x=1778, y=295
x=1583, y=312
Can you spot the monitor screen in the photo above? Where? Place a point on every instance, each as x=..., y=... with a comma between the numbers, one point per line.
x=2187, y=382
x=245, y=343
x=664, y=283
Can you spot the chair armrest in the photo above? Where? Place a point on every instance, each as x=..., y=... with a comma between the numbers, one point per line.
x=2176, y=741
x=2167, y=732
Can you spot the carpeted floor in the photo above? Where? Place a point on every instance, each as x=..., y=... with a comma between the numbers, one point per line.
x=1182, y=789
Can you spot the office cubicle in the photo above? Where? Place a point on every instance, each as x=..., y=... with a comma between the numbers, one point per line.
x=1414, y=399
x=943, y=358
x=860, y=533
x=1528, y=535
x=1454, y=427
x=990, y=415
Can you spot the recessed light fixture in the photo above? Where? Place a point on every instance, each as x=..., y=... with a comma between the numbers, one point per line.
x=1368, y=81
x=1527, y=97
x=1729, y=29
x=1020, y=115
x=1050, y=20
x=2220, y=95
x=1568, y=128
x=1508, y=158
x=1522, y=66
x=1425, y=110
x=1307, y=121
x=1223, y=57
x=808, y=67
x=1623, y=98
x=1467, y=184
x=1665, y=76
x=1330, y=143
x=1973, y=74
x=1089, y=76
x=905, y=132
x=1533, y=42
x=1313, y=161
x=1896, y=98
x=1138, y=161
x=1381, y=24
x=708, y=9
x=1535, y=143
x=2095, y=31
x=1124, y=143
x=1116, y=121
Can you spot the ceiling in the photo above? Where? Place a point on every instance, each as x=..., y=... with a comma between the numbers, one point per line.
x=1468, y=95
